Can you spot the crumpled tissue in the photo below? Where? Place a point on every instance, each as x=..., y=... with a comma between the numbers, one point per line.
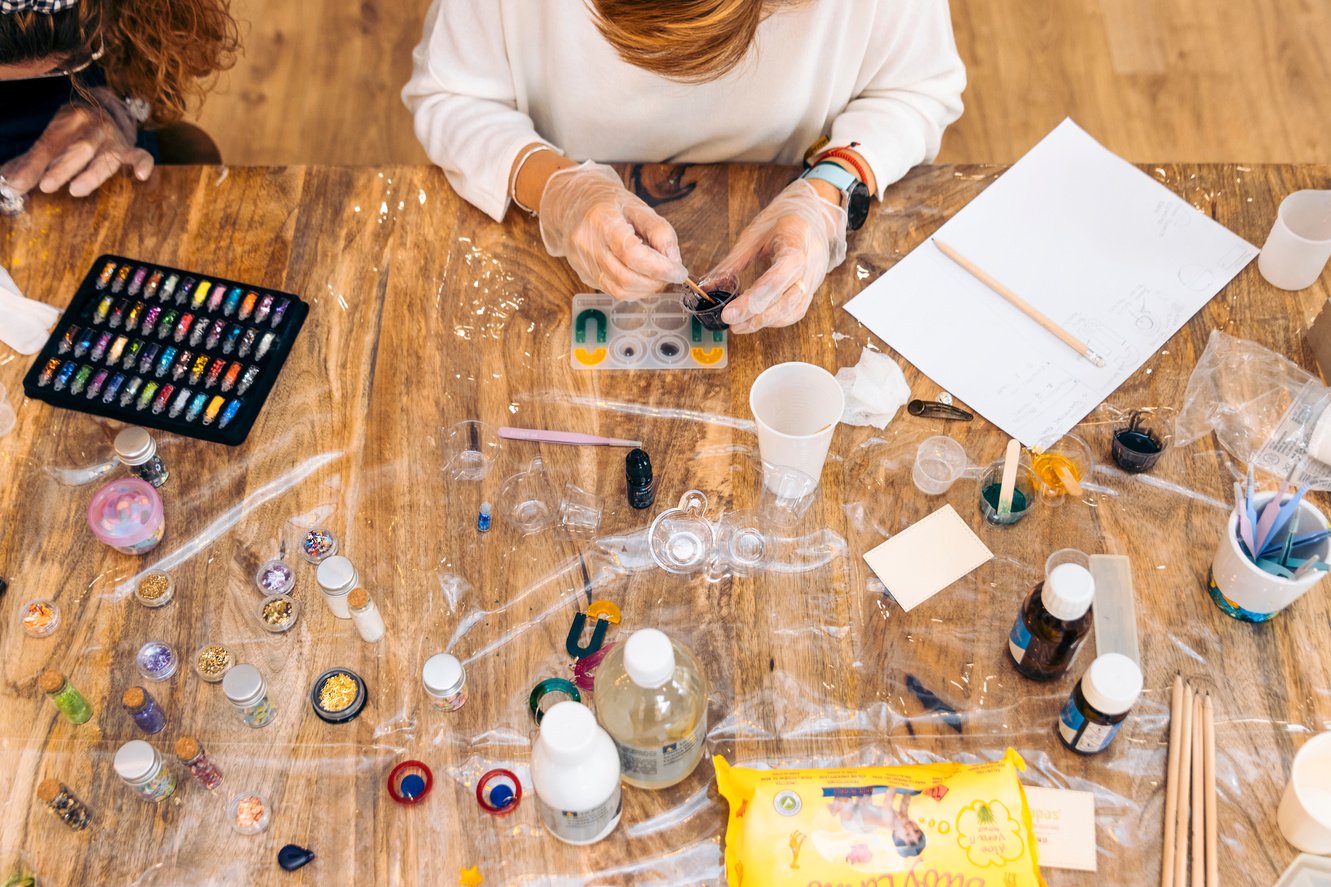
x=24, y=324
x=875, y=389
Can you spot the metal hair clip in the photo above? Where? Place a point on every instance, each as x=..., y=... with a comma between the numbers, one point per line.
x=931, y=410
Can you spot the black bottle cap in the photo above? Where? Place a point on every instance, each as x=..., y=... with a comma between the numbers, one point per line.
x=638, y=466
x=293, y=856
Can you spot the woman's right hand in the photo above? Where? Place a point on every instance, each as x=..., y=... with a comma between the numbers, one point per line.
x=614, y=241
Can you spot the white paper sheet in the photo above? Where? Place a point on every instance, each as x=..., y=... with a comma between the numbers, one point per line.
x=1109, y=254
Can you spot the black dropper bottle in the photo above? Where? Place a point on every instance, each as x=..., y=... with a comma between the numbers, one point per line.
x=638, y=472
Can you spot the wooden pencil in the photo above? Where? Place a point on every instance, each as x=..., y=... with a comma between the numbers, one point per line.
x=1019, y=303
x=1198, y=814
x=1212, y=826
x=1171, y=784
x=1184, y=795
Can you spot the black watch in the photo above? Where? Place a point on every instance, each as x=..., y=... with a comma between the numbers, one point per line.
x=854, y=193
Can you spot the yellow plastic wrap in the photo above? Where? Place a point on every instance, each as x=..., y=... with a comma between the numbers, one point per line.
x=961, y=825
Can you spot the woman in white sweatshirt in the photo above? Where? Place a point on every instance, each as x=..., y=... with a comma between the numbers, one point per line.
x=509, y=95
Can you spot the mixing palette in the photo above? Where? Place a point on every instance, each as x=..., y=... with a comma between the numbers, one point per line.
x=649, y=334
x=168, y=349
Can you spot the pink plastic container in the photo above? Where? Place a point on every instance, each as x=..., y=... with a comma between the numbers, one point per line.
x=127, y=515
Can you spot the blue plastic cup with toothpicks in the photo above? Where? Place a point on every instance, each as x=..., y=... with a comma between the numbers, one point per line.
x=1275, y=547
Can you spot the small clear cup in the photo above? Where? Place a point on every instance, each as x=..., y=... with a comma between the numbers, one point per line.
x=681, y=539
x=470, y=449
x=939, y=462
x=785, y=494
x=526, y=501
x=1023, y=495
x=579, y=511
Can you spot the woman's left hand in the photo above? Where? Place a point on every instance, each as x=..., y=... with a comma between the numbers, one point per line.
x=801, y=236
x=83, y=146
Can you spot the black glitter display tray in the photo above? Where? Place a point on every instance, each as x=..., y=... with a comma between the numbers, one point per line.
x=166, y=348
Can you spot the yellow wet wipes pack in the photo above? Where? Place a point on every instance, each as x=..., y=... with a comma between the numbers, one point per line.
x=920, y=825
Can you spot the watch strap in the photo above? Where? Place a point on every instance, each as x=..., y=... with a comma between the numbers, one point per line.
x=834, y=174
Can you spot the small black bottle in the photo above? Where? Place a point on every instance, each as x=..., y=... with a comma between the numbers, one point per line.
x=641, y=485
x=1099, y=704
x=1052, y=623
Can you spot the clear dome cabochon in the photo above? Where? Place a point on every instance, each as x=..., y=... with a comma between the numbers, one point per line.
x=681, y=539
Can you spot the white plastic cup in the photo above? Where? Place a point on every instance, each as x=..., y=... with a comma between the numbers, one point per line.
x=1305, y=808
x=1299, y=244
x=939, y=461
x=1247, y=592
x=797, y=407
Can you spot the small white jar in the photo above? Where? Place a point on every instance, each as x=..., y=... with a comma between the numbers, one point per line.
x=575, y=773
x=245, y=689
x=140, y=767
x=445, y=682
x=337, y=576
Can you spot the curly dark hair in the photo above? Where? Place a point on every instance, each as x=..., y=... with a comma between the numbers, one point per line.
x=166, y=52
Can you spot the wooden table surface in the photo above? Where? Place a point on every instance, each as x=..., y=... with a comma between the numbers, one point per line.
x=426, y=313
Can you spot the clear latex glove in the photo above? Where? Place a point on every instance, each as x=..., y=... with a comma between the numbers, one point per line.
x=614, y=241
x=83, y=146
x=801, y=236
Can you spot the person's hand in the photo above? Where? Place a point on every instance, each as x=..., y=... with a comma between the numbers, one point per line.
x=800, y=236
x=83, y=146
x=614, y=241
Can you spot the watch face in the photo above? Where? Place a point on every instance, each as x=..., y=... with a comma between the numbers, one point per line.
x=857, y=208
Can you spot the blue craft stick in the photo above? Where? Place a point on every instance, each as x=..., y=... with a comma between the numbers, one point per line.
x=1299, y=541
x=1274, y=568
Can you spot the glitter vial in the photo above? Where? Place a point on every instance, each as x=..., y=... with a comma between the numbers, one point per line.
x=445, y=682
x=137, y=450
x=483, y=518
x=64, y=804
x=336, y=577
x=245, y=689
x=140, y=767
x=143, y=709
x=1099, y=704
x=69, y=700
x=365, y=613
x=197, y=762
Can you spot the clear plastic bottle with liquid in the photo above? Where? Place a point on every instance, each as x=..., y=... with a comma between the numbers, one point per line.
x=651, y=697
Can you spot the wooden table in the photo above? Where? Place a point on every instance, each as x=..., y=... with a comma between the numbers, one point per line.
x=426, y=313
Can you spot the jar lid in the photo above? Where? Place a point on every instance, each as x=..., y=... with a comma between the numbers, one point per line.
x=48, y=790
x=649, y=657
x=1068, y=591
x=1112, y=684
x=134, y=445
x=134, y=697
x=135, y=759
x=51, y=681
x=442, y=673
x=358, y=599
x=568, y=730
x=335, y=574
x=242, y=683
x=187, y=748
x=125, y=511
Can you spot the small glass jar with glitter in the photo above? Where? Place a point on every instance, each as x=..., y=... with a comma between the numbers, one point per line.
x=140, y=767
x=277, y=613
x=338, y=695
x=64, y=804
x=197, y=762
x=40, y=618
x=212, y=661
x=318, y=545
x=275, y=577
x=249, y=813
x=245, y=689
x=365, y=613
x=154, y=590
x=69, y=700
x=127, y=515
x=137, y=451
x=157, y=661
x=445, y=682
x=143, y=709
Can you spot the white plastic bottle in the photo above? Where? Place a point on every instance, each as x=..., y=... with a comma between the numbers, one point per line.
x=575, y=772
x=651, y=696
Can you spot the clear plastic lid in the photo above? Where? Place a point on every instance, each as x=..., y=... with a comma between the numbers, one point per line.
x=1112, y=684
x=649, y=657
x=1068, y=592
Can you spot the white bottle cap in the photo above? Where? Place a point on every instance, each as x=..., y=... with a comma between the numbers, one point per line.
x=135, y=446
x=1068, y=592
x=442, y=674
x=336, y=575
x=1112, y=684
x=242, y=684
x=568, y=731
x=135, y=759
x=649, y=657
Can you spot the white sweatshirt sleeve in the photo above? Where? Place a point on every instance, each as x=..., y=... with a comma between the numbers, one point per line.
x=462, y=97
x=912, y=84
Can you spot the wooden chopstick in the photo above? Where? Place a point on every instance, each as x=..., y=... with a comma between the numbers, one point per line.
x=1184, y=776
x=693, y=285
x=1171, y=790
x=1198, y=808
x=1208, y=744
x=1019, y=303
